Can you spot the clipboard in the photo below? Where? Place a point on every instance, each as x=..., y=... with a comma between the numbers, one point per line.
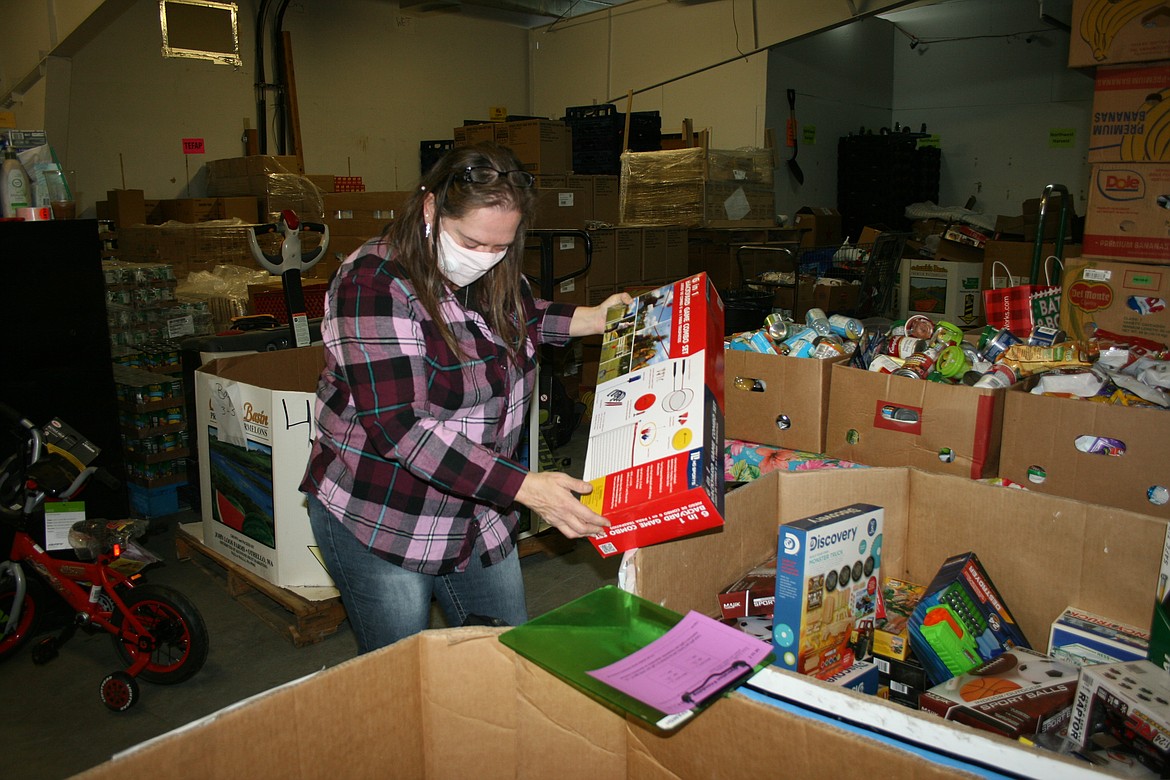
x=607, y=626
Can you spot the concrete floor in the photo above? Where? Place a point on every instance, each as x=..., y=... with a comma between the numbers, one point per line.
x=56, y=724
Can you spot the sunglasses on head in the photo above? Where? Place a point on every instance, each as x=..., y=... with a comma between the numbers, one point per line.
x=483, y=174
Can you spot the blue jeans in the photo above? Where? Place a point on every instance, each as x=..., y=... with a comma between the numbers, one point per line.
x=385, y=602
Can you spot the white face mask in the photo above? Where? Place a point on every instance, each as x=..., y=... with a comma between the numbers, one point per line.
x=463, y=266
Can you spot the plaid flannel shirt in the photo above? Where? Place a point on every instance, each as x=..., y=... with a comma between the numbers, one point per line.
x=416, y=449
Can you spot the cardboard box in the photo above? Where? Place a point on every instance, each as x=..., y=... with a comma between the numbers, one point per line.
x=627, y=256
x=1082, y=638
x=243, y=208
x=1016, y=258
x=568, y=260
x=833, y=298
x=951, y=429
x=861, y=676
x=255, y=427
x=1039, y=450
x=822, y=225
x=468, y=706
x=1031, y=218
x=1128, y=702
x=361, y=215
x=1128, y=116
x=1106, y=298
x=126, y=207
x=469, y=135
x=942, y=289
x=564, y=206
x=777, y=400
x=655, y=454
x=543, y=146
x=1131, y=31
x=1018, y=694
x=677, y=253
x=654, y=253
x=1105, y=559
x=607, y=200
x=602, y=266
x=827, y=572
x=1127, y=213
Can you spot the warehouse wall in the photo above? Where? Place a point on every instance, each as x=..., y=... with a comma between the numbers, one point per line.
x=993, y=100
x=998, y=104
x=373, y=81
x=683, y=60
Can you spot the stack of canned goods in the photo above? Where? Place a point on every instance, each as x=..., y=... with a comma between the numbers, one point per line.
x=821, y=336
x=919, y=348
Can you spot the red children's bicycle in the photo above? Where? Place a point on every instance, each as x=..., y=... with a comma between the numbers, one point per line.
x=158, y=633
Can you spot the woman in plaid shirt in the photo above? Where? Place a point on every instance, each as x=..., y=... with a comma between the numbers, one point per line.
x=431, y=335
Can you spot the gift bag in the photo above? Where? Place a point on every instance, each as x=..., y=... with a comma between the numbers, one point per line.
x=1022, y=307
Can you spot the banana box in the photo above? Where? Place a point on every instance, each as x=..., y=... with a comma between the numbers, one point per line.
x=1131, y=114
x=1111, y=32
x=655, y=452
x=827, y=573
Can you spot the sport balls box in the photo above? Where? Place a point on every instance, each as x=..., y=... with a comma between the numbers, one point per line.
x=655, y=452
x=827, y=573
x=1129, y=702
x=752, y=595
x=962, y=621
x=1082, y=638
x=1020, y=693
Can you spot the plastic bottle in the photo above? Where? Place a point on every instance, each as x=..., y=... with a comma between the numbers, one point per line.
x=15, y=192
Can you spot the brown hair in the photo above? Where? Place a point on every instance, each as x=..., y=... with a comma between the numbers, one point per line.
x=497, y=293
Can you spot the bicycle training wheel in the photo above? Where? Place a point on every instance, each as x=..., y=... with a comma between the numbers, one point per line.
x=30, y=615
x=180, y=635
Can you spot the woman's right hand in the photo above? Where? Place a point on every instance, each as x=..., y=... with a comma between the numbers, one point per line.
x=554, y=496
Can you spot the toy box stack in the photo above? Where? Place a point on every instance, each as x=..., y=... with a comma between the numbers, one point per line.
x=962, y=621
x=900, y=677
x=655, y=452
x=827, y=574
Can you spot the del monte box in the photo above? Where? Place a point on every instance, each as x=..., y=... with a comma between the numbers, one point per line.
x=255, y=430
x=655, y=453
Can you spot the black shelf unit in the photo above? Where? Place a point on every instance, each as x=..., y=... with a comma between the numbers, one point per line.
x=879, y=174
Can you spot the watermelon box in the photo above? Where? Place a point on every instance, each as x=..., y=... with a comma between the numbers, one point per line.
x=255, y=429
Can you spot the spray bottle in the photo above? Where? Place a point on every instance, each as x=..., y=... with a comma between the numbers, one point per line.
x=15, y=192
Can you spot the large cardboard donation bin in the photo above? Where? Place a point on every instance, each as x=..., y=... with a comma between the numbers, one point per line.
x=457, y=703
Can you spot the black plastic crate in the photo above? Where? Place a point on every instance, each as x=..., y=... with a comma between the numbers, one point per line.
x=429, y=153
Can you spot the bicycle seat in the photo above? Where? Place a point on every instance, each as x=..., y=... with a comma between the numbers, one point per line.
x=97, y=536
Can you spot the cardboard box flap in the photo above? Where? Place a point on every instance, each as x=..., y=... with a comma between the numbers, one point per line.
x=457, y=703
x=1041, y=551
x=286, y=370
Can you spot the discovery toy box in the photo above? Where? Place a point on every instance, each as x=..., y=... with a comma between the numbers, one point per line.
x=827, y=574
x=655, y=452
x=962, y=621
x=1020, y=693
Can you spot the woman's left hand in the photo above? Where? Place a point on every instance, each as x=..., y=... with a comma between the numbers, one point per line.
x=590, y=320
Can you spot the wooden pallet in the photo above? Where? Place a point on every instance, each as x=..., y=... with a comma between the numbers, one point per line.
x=303, y=621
